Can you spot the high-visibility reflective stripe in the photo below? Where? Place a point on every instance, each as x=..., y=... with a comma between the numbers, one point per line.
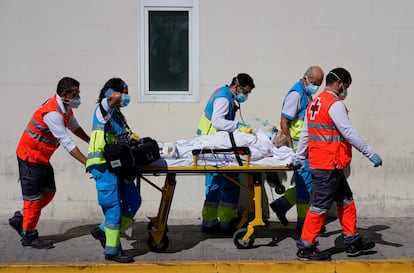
x=32, y=197
x=228, y=205
x=98, y=127
x=344, y=202
x=59, y=110
x=210, y=204
x=326, y=138
x=323, y=126
x=208, y=116
x=40, y=137
x=317, y=210
x=39, y=126
x=95, y=154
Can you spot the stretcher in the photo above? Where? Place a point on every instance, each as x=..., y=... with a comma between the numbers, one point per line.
x=251, y=217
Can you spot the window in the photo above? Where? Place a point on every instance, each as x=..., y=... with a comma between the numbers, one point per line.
x=169, y=51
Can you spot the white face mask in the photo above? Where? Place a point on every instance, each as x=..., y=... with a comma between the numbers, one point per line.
x=73, y=103
x=343, y=94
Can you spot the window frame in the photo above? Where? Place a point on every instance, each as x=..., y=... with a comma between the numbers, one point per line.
x=191, y=95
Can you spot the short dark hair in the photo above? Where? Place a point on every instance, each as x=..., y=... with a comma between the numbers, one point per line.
x=116, y=84
x=243, y=79
x=338, y=73
x=66, y=84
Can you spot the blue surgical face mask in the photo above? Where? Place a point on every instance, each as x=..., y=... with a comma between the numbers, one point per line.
x=125, y=99
x=312, y=89
x=240, y=98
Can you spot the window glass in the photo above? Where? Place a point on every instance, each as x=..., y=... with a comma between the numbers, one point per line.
x=168, y=51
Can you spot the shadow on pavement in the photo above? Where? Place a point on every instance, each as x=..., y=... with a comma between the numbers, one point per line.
x=183, y=237
x=370, y=233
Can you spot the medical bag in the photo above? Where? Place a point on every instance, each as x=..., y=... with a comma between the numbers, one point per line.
x=145, y=151
x=128, y=150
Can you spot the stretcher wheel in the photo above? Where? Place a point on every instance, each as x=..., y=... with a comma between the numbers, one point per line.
x=163, y=245
x=280, y=189
x=238, y=236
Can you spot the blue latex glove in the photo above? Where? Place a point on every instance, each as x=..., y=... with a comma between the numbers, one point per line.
x=241, y=124
x=298, y=164
x=376, y=159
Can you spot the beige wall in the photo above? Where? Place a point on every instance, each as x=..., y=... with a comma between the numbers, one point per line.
x=273, y=40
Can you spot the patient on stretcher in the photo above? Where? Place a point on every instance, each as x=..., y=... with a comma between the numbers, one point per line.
x=262, y=150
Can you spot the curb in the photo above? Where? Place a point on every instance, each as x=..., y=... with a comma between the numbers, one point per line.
x=340, y=266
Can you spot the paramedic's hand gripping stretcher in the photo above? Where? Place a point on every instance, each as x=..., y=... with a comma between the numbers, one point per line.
x=201, y=160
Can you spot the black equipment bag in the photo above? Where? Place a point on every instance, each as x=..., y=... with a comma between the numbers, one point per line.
x=119, y=158
x=127, y=152
x=145, y=151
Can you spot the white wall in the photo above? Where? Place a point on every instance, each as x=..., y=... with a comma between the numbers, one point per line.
x=274, y=41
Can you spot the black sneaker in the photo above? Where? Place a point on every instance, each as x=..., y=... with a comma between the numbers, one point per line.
x=16, y=222
x=120, y=258
x=312, y=254
x=280, y=215
x=31, y=239
x=358, y=246
x=39, y=244
x=98, y=234
x=211, y=229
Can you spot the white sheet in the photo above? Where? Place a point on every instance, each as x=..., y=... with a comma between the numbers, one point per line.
x=263, y=152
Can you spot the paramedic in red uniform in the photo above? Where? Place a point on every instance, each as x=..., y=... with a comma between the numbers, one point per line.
x=45, y=132
x=327, y=138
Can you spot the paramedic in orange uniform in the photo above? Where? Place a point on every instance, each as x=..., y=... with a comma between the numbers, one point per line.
x=327, y=138
x=45, y=132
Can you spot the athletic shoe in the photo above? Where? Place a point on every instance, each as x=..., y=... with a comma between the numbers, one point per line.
x=358, y=246
x=280, y=215
x=16, y=222
x=31, y=239
x=98, y=234
x=211, y=229
x=120, y=258
x=312, y=254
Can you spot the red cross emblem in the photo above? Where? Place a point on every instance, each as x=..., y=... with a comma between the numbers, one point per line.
x=314, y=108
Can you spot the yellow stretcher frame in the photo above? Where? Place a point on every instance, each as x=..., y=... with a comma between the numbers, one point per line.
x=243, y=237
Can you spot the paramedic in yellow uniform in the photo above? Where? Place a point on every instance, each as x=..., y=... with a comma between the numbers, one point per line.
x=220, y=205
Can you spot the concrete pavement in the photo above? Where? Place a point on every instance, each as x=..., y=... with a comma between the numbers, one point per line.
x=190, y=250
